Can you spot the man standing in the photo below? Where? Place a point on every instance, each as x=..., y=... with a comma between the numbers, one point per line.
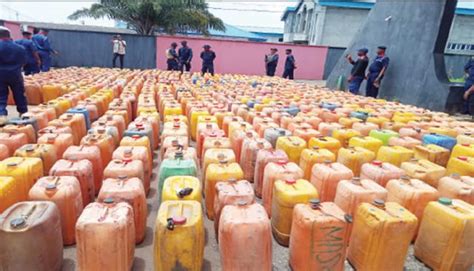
x=119, y=46
x=271, y=62
x=33, y=60
x=44, y=49
x=185, y=55
x=376, y=72
x=12, y=59
x=172, y=57
x=207, y=57
x=358, y=70
x=290, y=65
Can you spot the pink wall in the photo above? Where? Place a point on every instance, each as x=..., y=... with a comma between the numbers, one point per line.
x=243, y=57
x=15, y=29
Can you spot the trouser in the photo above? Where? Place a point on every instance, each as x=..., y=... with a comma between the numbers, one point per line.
x=371, y=90
x=185, y=66
x=271, y=70
x=13, y=81
x=207, y=68
x=354, y=84
x=172, y=65
x=120, y=56
x=468, y=107
x=45, y=58
x=289, y=73
x=31, y=68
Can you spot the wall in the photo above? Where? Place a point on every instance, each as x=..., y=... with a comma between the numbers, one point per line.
x=341, y=25
x=414, y=76
x=94, y=49
x=334, y=53
x=15, y=30
x=455, y=65
x=462, y=30
x=241, y=57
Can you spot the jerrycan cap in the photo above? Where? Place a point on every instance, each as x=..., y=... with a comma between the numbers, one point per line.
x=281, y=132
x=462, y=158
x=18, y=223
x=242, y=203
x=281, y=162
x=356, y=180
x=290, y=181
x=136, y=136
x=455, y=176
x=128, y=151
x=377, y=163
x=380, y=203
x=348, y=218
x=108, y=201
x=315, y=203
x=445, y=201
x=29, y=148
x=179, y=220
x=176, y=125
x=405, y=178
x=127, y=160
x=51, y=186
x=465, y=144
x=122, y=177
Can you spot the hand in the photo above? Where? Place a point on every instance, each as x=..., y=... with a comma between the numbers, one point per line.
x=466, y=95
x=349, y=78
x=295, y=67
x=38, y=63
x=348, y=56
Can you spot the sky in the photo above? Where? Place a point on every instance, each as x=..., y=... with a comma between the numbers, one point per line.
x=255, y=13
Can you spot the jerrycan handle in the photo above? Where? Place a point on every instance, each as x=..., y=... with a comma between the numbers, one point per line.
x=315, y=204
x=20, y=222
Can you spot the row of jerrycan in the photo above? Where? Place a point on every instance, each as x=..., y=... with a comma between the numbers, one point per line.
x=75, y=179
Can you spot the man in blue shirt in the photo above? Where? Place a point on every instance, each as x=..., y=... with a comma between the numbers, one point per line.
x=376, y=72
x=290, y=65
x=12, y=59
x=358, y=70
x=207, y=57
x=185, y=55
x=33, y=61
x=44, y=49
x=271, y=62
x=172, y=57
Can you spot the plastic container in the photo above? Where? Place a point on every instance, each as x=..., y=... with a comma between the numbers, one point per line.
x=318, y=225
x=223, y=171
x=461, y=165
x=385, y=223
x=25, y=171
x=292, y=146
x=310, y=157
x=452, y=223
x=125, y=168
x=432, y=153
x=286, y=194
x=263, y=158
x=280, y=170
x=65, y=192
x=383, y=135
x=129, y=190
x=30, y=237
x=107, y=227
x=241, y=227
x=424, y=170
x=272, y=134
x=380, y=172
x=394, y=155
x=92, y=154
x=364, y=128
x=344, y=135
x=45, y=152
x=248, y=159
x=179, y=236
x=457, y=187
x=105, y=143
x=181, y=188
x=440, y=140
x=354, y=158
x=82, y=170
x=329, y=143
x=326, y=176
x=213, y=156
x=60, y=141
x=26, y=130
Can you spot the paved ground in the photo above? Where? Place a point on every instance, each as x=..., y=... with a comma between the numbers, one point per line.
x=144, y=252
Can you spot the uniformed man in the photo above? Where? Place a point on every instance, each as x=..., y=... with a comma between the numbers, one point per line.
x=271, y=62
x=172, y=57
x=376, y=72
x=44, y=49
x=469, y=86
x=358, y=70
x=207, y=56
x=33, y=60
x=119, y=49
x=290, y=65
x=185, y=55
x=12, y=59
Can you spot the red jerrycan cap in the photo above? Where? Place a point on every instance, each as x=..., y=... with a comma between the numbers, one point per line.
x=462, y=158
x=290, y=181
x=127, y=160
x=281, y=162
x=377, y=163
x=136, y=136
x=179, y=220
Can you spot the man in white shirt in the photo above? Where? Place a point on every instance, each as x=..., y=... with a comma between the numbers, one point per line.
x=119, y=46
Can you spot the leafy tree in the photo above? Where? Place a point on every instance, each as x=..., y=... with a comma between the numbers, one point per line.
x=148, y=16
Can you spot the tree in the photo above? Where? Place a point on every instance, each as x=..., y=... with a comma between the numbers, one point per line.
x=148, y=16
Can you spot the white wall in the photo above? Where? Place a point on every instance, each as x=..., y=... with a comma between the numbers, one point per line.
x=340, y=25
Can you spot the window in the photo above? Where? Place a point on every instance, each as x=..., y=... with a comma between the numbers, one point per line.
x=460, y=47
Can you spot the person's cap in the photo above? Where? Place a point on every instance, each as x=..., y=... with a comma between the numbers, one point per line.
x=382, y=48
x=3, y=29
x=207, y=46
x=364, y=50
x=273, y=49
x=26, y=33
x=174, y=44
x=184, y=42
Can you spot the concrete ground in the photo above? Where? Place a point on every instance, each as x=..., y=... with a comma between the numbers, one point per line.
x=144, y=251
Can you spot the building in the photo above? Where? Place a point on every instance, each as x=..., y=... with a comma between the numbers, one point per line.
x=334, y=23
x=272, y=34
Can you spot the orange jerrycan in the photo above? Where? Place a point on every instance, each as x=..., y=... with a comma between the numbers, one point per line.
x=280, y=170
x=125, y=167
x=82, y=170
x=26, y=129
x=412, y=194
x=116, y=241
x=128, y=190
x=45, y=152
x=92, y=154
x=263, y=158
x=292, y=146
x=248, y=159
x=326, y=176
x=105, y=143
x=318, y=238
x=380, y=172
x=65, y=192
x=137, y=153
x=243, y=226
x=457, y=187
x=179, y=236
x=433, y=153
x=354, y=158
x=286, y=194
x=25, y=170
x=309, y=157
x=424, y=170
x=30, y=237
x=445, y=236
x=13, y=141
x=381, y=223
x=60, y=141
x=181, y=188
